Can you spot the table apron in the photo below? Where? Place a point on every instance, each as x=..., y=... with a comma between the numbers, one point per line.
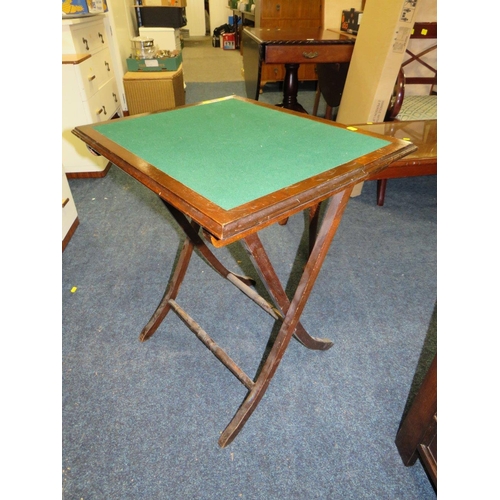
x=307, y=53
x=426, y=166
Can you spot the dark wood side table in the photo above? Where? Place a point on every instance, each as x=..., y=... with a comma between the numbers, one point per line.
x=423, y=134
x=291, y=47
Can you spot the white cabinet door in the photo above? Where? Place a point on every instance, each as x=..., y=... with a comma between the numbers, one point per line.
x=69, y=213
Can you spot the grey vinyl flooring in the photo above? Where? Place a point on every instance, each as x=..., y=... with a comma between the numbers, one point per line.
x=204, y=63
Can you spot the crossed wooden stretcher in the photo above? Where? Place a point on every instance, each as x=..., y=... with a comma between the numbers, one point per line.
x=288, y=312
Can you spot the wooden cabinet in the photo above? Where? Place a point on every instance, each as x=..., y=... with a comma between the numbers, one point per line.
x=417, y=436
x=288, y=14
x=89, y=90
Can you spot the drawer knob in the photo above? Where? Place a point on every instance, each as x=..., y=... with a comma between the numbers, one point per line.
x=92, y=77
x=86, y=43
x=310, y=55
x=115, y=98
x=101, y=37
x=107, y=65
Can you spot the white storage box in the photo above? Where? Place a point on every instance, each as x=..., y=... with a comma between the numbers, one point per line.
x=164, y=38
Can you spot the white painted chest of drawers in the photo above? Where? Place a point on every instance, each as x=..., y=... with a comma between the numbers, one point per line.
x=89, y=90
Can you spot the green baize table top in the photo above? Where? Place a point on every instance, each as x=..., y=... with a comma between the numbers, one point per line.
x=232, y=151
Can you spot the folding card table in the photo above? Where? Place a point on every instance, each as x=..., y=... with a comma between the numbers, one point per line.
x=287, y=162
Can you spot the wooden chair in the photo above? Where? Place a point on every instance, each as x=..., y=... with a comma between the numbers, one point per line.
x=414, y=107
x=415, y=70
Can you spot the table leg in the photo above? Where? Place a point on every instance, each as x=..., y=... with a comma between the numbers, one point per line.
x=381, y=186
x=325, y=235
x=313, y=225
x=291, y=88
x=265, y=269
x=170, y=293
x=193, y=239
x=273, y=285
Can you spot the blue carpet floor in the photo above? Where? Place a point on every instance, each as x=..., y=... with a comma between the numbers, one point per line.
x=142, y=420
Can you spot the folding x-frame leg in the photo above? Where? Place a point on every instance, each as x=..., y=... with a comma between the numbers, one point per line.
x=193, y=239
x=288, y=311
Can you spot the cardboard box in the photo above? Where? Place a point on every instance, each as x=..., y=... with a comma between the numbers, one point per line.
x=164, y=38
x=350, y=21
x=228, y=41
x=152, y=65
x=149, y=92
x=374, y=67
x=83, y=7
x=164, y=3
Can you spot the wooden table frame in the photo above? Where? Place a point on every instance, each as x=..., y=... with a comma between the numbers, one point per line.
x=202, y=220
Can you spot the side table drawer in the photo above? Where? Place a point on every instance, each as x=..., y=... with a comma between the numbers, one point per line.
x=282, y=53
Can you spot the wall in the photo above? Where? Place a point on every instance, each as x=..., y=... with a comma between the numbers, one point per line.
x=333, y=11
x=195, y=13
x=219, y=13
x=427, y=11
x=122, y=22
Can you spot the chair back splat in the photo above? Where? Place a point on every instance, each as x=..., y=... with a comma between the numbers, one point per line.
x=416, y=70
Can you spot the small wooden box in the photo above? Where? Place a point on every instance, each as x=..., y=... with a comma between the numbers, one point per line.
x=155, y=91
